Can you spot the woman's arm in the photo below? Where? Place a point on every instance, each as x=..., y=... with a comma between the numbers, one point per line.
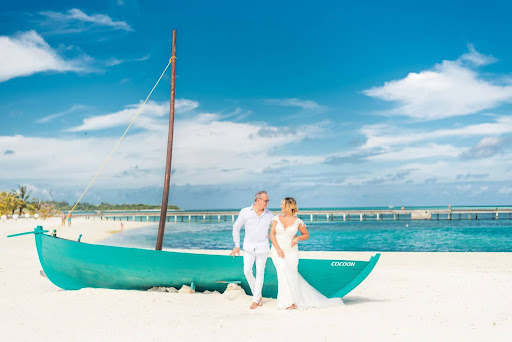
x=305, y=234
x=274, y=240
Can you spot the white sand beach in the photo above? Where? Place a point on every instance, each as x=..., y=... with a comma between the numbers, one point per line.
x=408, y=297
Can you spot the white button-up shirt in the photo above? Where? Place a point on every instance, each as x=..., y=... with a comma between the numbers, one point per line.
x=256, y=230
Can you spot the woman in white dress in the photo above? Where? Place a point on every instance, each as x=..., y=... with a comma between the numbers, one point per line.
x=293, y=292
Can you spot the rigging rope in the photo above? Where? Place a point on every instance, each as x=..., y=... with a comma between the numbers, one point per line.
x=172, y=59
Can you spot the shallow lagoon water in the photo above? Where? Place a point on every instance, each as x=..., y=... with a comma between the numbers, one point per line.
x=392, y=236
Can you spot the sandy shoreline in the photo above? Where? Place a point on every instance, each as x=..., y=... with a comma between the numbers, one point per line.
x=409, y=296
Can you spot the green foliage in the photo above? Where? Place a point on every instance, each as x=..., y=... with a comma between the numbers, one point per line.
x=9, y=202
x=22, y=196
x=34, y=206
x=62, y=205
x=19, y=200
x=46, y=210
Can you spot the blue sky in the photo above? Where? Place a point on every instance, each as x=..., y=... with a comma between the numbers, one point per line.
x=334, y=103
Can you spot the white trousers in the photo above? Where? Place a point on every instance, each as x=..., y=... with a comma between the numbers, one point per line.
x=256, y=284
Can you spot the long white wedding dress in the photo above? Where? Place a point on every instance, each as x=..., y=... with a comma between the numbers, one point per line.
x=291, y=287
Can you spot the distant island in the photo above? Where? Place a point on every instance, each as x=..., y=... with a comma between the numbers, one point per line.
x=62, y=206
x=19, y=202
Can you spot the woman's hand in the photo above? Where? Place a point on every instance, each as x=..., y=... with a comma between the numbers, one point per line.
x=295, y=241
x=280, y=253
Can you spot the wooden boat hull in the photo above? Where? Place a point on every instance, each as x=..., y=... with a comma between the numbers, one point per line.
x=72, y=265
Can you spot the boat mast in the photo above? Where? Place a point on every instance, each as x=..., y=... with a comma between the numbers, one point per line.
x=167, y=179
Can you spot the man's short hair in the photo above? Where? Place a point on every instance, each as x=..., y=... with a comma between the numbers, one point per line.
x=259, y=194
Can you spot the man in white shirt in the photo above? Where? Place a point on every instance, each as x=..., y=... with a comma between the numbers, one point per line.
x=256, y=220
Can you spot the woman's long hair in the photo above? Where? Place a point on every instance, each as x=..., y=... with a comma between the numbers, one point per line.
x=290, y=203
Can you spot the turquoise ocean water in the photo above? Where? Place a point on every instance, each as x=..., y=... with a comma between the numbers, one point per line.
x=482, y=235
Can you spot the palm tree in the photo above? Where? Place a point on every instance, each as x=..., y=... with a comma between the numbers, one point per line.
x=3, y=203
x=34, y=206
x=8, y=202
x=22, y=195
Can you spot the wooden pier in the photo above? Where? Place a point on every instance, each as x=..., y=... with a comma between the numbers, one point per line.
x=316, y=215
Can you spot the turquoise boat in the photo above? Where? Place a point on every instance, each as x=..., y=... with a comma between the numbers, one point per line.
x=73, y=265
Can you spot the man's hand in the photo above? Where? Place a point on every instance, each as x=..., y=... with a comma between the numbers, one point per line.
x=295, y=241
x=235, y=251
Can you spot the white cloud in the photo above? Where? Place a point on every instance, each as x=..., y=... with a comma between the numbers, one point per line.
x=51, y=117
x=38, y=192
x=95, y=19
x=385, y=136
x=487, y=147
x=206, y=152
x=476, y=58
x=293, y=102
x=451, y=88
x=123, y=117
x=506, y=190
x=207, y=117
x=115, y=61
x=203, y=148
x=184, y=105
x=28, y=53
x=464, y=188
x=446, y=170
x=469, y=190
x=412, y=153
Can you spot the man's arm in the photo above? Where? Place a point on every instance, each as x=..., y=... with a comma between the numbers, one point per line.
x=236, y=233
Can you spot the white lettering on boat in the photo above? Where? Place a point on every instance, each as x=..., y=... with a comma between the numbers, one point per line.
x=343, y=263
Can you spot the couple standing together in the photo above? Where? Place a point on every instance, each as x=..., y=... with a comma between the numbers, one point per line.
x=293, y=292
